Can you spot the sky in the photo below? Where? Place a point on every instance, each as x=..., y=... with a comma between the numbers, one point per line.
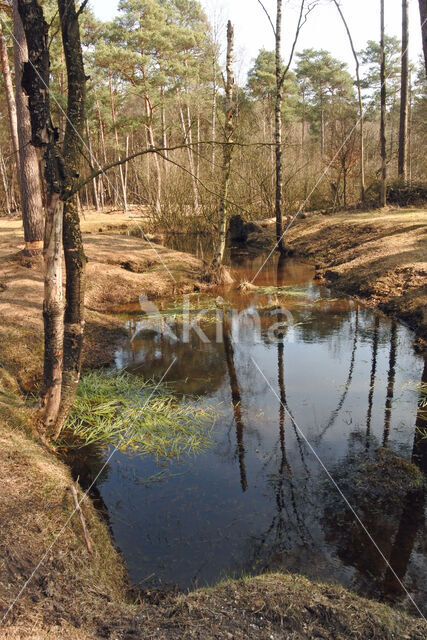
x=323, y=30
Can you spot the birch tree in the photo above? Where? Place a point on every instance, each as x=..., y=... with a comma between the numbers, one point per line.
x=75, y=260
x=10, y=98
x=383, y=193
x=35, y=82
x=404, y=98
x=227, y=151
x=62, y=350
x=281, y=72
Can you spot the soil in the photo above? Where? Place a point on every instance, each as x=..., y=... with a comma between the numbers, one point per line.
x=60, y=590
x=379, y=256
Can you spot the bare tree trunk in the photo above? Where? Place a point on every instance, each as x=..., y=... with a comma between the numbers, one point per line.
x=404, y=91
x=228, y=151
x=116, y=138
x=150, y=141
x=91, y=156
x=5, y=183
x=383, y=197
x=410, y=125
x=188, y=138
x=303, y=119
x=198, y=145
x=278, y=129
x=29, y=172
x=163, y=119
x=214, y=94
x=10, y=98
x=75, y=259
x=126, y=165
x=423, y=16
x=53, y=311
x=359, y=97
x=35, y=82
x=102, y=138
x=322, y=132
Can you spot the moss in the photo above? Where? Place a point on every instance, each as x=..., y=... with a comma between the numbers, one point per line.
x=393, y=474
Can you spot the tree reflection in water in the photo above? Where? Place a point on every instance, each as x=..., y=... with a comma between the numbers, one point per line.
x=258, y=499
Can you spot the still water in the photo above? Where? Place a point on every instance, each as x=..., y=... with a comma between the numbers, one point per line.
x=259, y=499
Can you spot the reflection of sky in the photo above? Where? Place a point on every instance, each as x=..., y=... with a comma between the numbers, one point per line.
x=196, y=524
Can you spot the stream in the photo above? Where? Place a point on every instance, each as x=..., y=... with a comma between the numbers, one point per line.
x=262, y=496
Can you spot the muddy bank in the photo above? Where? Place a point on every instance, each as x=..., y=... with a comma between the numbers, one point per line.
x=377, y=256
x=77, y=595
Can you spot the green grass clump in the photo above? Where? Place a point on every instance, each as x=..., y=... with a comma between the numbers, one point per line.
x=121, y=409
x=286, y=291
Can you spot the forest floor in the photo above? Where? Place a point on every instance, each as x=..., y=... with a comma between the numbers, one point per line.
x=379, y=256
x=120, y=269
x=57, y=588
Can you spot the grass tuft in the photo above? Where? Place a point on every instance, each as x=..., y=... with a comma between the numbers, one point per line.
x=122, y=410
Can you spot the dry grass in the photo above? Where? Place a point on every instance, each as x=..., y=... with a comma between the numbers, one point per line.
x=35, y=507
x=379, y=256
x=119, y=270
x=284, y=607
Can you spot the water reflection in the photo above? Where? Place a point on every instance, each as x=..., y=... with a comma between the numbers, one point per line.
x=258, y=499
x=235, y=399
x=390, y=382
x=372, y=381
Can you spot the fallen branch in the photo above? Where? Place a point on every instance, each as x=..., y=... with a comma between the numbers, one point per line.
x=82, y=519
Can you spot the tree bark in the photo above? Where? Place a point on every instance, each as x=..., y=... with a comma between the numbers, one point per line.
x=423, y=16
x=10, y=98
x=29, y=172
x=35, y=82
x=75, y=260
x=278, y=129
x=227, y=151
x=383, y=195
x=404, y=92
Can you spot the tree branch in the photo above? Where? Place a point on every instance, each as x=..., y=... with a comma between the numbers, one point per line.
x=268, y=16
x=302, y=19
x=82, y=7
x=76, y=188
x=213, y=193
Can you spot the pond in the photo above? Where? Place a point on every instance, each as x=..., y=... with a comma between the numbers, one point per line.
x=320, y=397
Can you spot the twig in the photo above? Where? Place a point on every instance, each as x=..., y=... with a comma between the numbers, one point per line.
x=268, y=16
x=82, y=519
x=302, y=19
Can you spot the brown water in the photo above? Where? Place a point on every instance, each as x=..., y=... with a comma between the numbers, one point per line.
x=259, y=499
